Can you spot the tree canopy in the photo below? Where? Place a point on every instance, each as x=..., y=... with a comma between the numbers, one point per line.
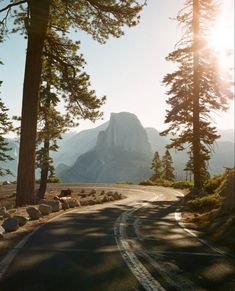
x=197, y=87
x=46, y=21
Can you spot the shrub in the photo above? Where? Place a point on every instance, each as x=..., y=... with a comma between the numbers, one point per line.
x=164, y=183
x=182, y=185
x=213, y=184
x=147, y=183
x=205, y=203
x=54, y=180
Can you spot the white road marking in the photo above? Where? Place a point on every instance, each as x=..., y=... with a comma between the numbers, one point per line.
x=179, y=253
x=170, y=272
x=134, y=264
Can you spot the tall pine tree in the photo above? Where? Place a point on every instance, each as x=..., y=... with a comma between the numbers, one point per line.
x=196, y=88
x=63, y=79
x=99, y=18
x=167, y=167
x=157, y=167
x=5, y=127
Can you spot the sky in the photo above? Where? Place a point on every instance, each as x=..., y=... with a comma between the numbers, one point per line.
x=128, y=70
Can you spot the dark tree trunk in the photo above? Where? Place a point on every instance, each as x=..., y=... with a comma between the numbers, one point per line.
x=37, y=28
x=44, y=172
x=196, y=109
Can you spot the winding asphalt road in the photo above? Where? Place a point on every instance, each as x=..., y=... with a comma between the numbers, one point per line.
x=131, y=244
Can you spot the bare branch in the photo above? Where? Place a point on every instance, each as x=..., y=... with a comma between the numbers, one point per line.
x=12, y=5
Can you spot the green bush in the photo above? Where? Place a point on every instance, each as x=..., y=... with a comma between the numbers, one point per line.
x=54, y=180
x=164, y=183
x=147, y=183
x=213, y=184
x=205, y=203
x=182, y=185
x=158, y=182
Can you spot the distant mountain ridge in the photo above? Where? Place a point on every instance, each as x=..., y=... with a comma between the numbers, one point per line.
x=115, y=144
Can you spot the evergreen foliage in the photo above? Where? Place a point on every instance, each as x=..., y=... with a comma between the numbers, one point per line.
x=157, y=167
x=64, y=81
x=5, y=127
x=213, y=84
x=167, y=167
x=44, y=23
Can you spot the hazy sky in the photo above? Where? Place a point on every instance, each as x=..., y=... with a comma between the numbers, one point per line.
x=129, y=70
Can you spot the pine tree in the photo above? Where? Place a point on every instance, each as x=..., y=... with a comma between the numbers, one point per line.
x=5, y=127
x=167, y=167
x=63, y=79
x=196, y=88
x=157, y=167
x=33, y=18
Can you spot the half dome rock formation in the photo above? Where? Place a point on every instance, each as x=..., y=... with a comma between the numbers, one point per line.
x=122, y=153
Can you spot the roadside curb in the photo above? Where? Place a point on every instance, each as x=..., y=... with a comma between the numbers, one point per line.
x=10, y=256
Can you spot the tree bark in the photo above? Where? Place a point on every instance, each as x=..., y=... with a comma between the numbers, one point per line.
x=196, y=106
x=44, y=172
x=37, y=28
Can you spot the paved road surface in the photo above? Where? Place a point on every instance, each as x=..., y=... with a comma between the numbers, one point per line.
x=131, y=244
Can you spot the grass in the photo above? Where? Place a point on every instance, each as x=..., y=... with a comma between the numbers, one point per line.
x=167, y=183
x=215, y=209
x=205, y=203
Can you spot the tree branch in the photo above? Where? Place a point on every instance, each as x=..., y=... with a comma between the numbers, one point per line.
x=12, y=5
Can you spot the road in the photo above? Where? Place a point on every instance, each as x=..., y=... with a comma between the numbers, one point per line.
x=131, y=244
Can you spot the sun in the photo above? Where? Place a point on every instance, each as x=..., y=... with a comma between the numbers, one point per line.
x=222, y=36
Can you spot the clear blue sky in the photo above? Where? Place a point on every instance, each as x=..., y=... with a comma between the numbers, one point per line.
x=129, y=70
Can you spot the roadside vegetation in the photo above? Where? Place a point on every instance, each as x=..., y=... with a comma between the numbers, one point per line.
x=213, y=211
x=167, y=183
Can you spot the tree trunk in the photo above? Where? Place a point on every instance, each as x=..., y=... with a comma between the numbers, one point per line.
x=196, y=109
x=44, y=172
x=38, y=22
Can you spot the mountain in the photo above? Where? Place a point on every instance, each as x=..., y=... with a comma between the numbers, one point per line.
x=76, y=145
x=117, y=141
x=122, y=153
x=226, y=135
x=223, y=157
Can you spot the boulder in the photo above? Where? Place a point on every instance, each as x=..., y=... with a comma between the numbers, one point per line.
x=33, y=212
x=65, y=193
x=55, y=204
x=2, y=231
x=21, y=219
x=45, y=209
x=64, y=204
x=84, y=202
x=10, y=224
x=98, y=200
x=92, y=192
x=109, y=193
x=73, y=203
x=105, y=198
x=6, y=183
x=4, y=213
x=117, y=196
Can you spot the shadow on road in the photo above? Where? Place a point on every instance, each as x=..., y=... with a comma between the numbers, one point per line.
x=79, y=252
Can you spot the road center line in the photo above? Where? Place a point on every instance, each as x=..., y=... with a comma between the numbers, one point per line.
x=134, y=264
